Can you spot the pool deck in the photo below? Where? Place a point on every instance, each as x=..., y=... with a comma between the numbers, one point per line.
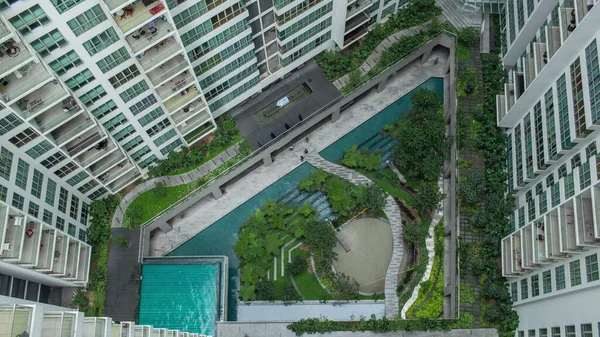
x=208, y=210
x=334, y=311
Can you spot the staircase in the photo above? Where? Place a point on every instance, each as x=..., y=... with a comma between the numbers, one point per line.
x=461, y=13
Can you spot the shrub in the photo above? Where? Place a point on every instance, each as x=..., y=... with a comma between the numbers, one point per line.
x=160, y=189
x=466, y=83
x=121, y=241
x=428, y=198
x=414, y=233
x=471, y=187
x=80, y=300
x=466, y=294
x=372, y=197
x=468, y=35
x=133, y=216
x=297, y=266
x=289, y=293
x=265, y=291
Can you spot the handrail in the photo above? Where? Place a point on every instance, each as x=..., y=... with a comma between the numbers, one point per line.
x=276, y=139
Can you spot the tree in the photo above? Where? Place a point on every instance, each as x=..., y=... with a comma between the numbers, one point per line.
x=133, y=216
x=265, y=290
x=373, y=197
x=344, y=288
x=160, y=189
x=289, y=293
x=297, y=266
x=467, y=36
x=470, y=187
x=247, y=292
x=414, y=233
x=428, y=197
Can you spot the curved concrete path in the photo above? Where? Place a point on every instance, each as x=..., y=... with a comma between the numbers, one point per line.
x=392, y=211
x=185, y=178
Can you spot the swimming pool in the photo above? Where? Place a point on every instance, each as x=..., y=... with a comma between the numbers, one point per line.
x=180, y=296
x=375, y=124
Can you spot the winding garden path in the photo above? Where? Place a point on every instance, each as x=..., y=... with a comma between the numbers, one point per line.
x=185, y=178
x=392, y=211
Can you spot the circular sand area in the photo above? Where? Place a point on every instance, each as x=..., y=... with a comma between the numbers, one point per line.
x=370, y=244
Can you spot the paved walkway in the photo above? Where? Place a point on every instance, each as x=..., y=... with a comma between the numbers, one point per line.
x=392, y=211
x=209, y=210
x=267, y=312
x=185, y=178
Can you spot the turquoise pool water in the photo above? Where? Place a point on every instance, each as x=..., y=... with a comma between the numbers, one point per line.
x=366, y=130
x=179, y=296
x=219, y=238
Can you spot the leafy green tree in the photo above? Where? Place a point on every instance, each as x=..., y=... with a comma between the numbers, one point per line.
x=468, y=35
x=289, y=293
x=373, y=198
x=353, y=157
x=297, y=266
x=265, y=290
x=414, y=233
x=344, y=287
x=372, y=162
x=160, y=189
x=471, y=187
x=428, y=197
x=247, y=292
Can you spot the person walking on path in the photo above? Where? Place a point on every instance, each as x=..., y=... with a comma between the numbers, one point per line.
x=305, y=151
x=301, y=158
x=292, y=148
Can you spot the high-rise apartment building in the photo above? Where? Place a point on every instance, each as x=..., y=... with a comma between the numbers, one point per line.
x=551, y=111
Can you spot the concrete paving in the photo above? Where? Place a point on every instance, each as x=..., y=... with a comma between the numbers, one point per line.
x=208, y=210
x=336, y=312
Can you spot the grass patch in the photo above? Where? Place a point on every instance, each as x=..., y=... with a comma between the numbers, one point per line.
x=395, y=191
x=210, y=156
x=307, y=283
x=152, y=204
x=463, y=53
x=377, y=297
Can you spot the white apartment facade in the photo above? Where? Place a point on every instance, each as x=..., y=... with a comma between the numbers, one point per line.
x=551, y=111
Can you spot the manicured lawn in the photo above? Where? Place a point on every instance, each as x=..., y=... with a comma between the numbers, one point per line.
x=152, y=204
x=373, y=297
x=462, y=53
x=395, y=191
x=210, y=156
x=307, y=283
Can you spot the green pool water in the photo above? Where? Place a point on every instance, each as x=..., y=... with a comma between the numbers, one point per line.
x=179, y=296
x=392, y=113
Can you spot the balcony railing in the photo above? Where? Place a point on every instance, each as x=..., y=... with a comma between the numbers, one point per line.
x=16, y=320
x=80, y=144
x=356, y=21
x=46, y=248
x=176, y=85
x=96, y=152
x=169, y=69
x=160, y=53
x=124, y=180
x=19, y=57
x=59, y=264
x=357, y=7
x=31, y=243
x=65, y=133
x=189, y=111
x=27, y=79
x=5, y=33
x=40, y=100
x=177, y=102
x=56, y=117
x=149, y=36
x=14, y=231
x=99, y=168
x=137, y=14
x=116, y=171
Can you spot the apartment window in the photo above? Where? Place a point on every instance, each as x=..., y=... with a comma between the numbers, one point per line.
x=585, y=178
x=158, y=127
x=68, y=61
x=195, y=11
x=60, y=223
x=219, y=89
x=29, y=19
x=52, y=160
x=171, y=147
x=124, y=76
x=87, y=20
x=207, y=65
x=113, y=60
x=547, y=281
x=133, y=143
x=586, y=330
x=93, y=95
x=72, y=229
x=221, y=38
x=535, y=285
x=570, y=331
x=50, y=192
x=217, y=75
x=134, y=91
x=101, y=41
x=300, y=24
x=85, y=210
x=39, y=149
x=563, y=113
x=76, y=179
x=148, y=161
x=114, y=122
x=151, y=116
x=591, y=268
x=575, y=272
x=64, y=5
x=543, y=332
x=124, y=133
x=22, y=174
x=66, y=170
x=88, y=186
x=48, y=217
x=8, y=123
x=74, y=207
x=34, y=209
x=104, y=109
x=100, y=192
x=140, y=153
x=524, y=289
x=3, y=193
x=82, y=235
x=48, y=42
x=36, y=183
x=514, y=292
x=591, y=150
x=593, y=72
x=531, y=333
x=62, y=200
x=24, y=137
x=78, y=81
x=143, y=104
x=234, y=94
x=196, y=33
x=18, y=201
x=166, y=136
x=521, y=333
x=5, y=163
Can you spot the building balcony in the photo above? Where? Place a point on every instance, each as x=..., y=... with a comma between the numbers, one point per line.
x=541, y=56
x=96, y=327
x=357, y=7
x=553, y=38
x=5, y=33
x=501, y=106
x=47, y=244
x=529, y=68
x=160, y=54
x=60, y=324
x=16, y=320
x=108, y=162
x=168, y=70
x=116, y=5
x=56, y=116
x=189, y=111
x=91, y=138
x=40, y=100
x=31, y=243
x=24, y=81
x=75, y=128
x=193, y=123
x=356, y=21
x=356, y=34
x=83, y=265
x=150, y=35
x=178, y=102
x=585, y=220
x=116, y=171
x=196, y=128
x=96, y=152
x=19, y=57
x=137, y=14
x=59, y=263
x=124, y=180
x=72, y=260
x=176, y=85
x=14, y=225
